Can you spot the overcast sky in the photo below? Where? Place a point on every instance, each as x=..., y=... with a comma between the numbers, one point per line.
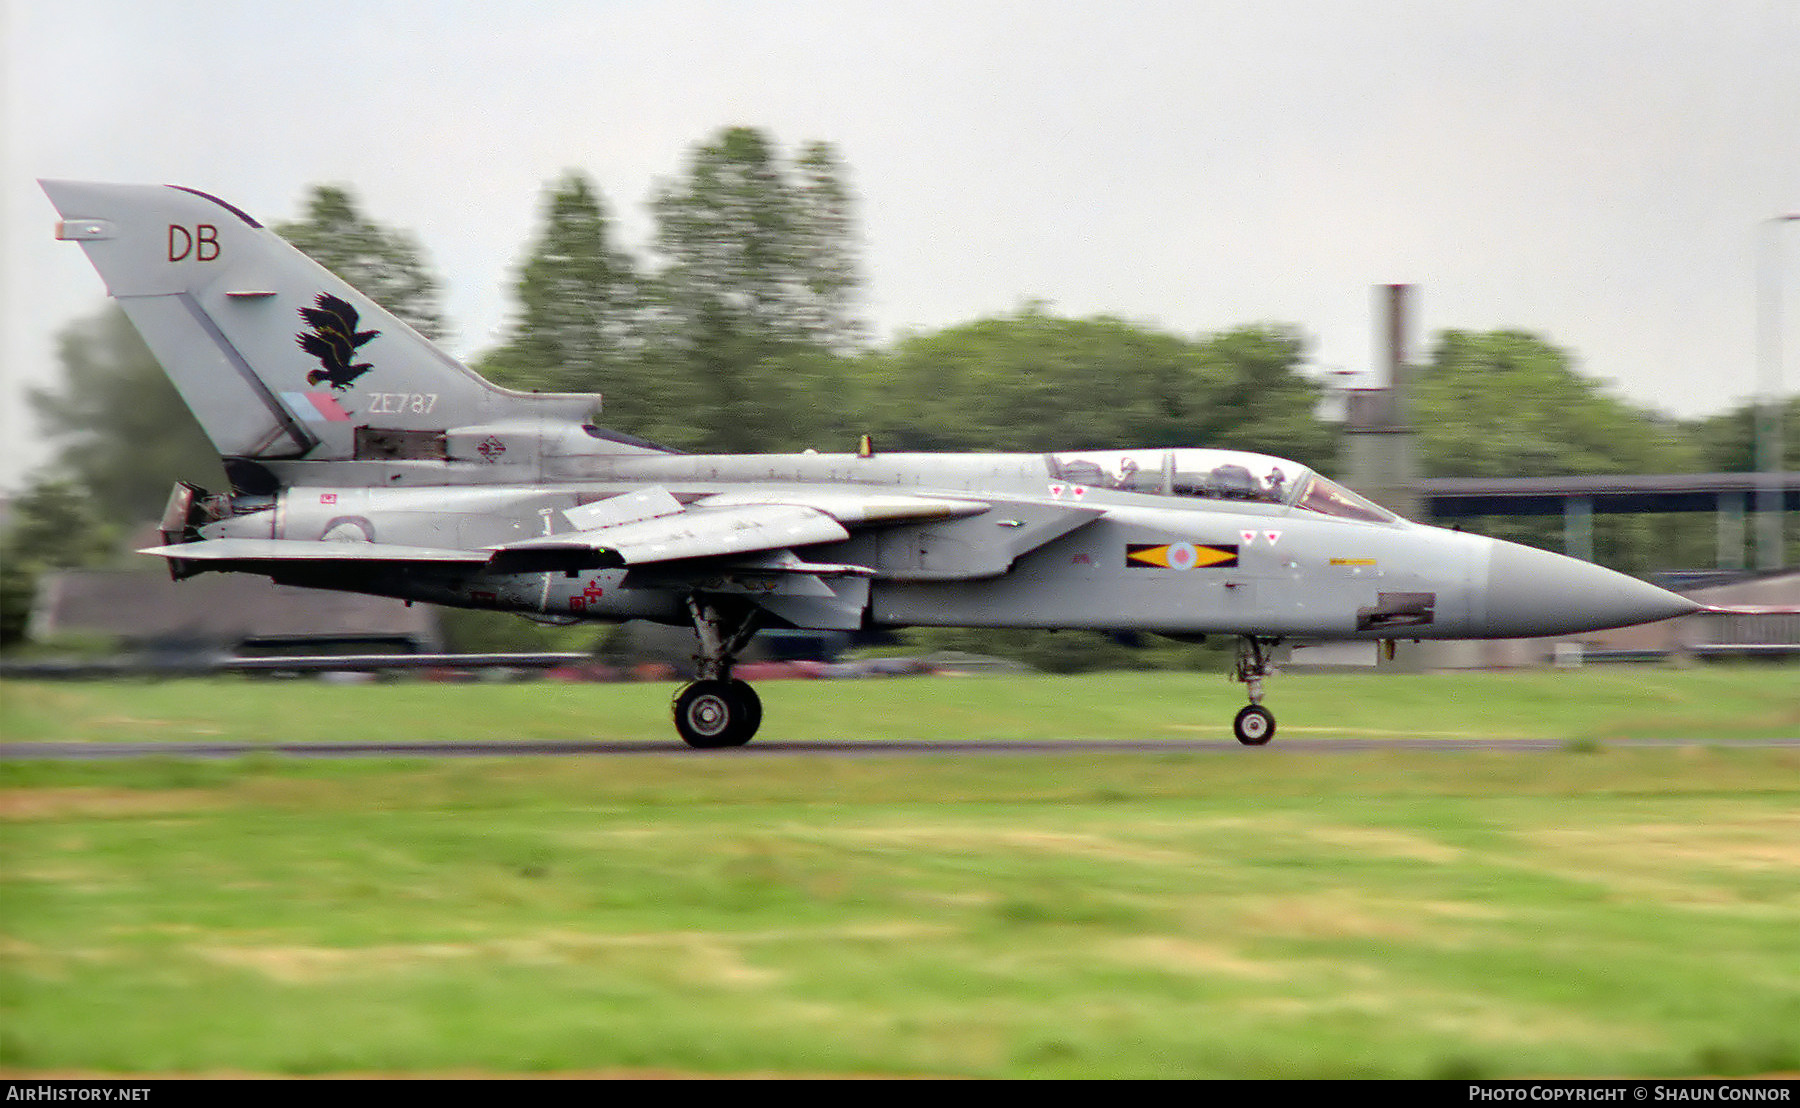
x=1594, y=170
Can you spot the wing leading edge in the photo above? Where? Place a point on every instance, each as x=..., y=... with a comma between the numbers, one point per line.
x=312, y=550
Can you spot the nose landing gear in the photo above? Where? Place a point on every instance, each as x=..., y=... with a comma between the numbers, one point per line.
x=1255, y=724
x=717, y=710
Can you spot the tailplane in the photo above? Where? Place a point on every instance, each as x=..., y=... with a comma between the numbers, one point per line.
x=277, y=357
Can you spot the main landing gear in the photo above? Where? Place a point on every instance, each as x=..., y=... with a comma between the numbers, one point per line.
x=1255, y=724
x=717, y=710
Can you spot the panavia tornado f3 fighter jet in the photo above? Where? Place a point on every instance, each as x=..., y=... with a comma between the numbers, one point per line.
x=363, y=459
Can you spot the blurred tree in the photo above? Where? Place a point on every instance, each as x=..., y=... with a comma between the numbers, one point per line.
x=384, y=264
x=1727, y=442
x=1511, y=404
x=828, y=249
x=755, y=270
x=578, y=299
x=1034, y=381
x=54, y=525
x=126, y=434
x=18, y=587
x=581, y=315
x=1261, y=399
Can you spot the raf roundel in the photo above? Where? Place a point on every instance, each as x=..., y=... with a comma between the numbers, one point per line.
x=1181, y=555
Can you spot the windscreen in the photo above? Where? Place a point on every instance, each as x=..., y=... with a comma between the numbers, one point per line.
x=1332, y=499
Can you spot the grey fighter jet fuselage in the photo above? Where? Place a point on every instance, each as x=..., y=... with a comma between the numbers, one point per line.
x=362, y=459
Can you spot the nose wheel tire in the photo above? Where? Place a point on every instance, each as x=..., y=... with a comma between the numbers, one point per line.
x=713, y=714
x=1254, y=725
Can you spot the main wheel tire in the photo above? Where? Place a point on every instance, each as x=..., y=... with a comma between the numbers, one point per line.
x=714, y=714
x=752, y=707
x=1254, y=725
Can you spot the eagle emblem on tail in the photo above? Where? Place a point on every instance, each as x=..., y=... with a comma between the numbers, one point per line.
x=333, y=340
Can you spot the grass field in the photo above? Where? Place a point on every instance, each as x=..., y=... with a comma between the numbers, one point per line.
x=1707, y=702
x=1595, y=910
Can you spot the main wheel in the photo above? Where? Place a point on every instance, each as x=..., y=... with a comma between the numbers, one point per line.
x=1254, y=725
x=713, y=714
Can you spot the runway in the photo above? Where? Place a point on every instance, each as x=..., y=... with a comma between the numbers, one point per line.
x=665, y=748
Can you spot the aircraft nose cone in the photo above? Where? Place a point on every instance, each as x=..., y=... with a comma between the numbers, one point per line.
x=1533, y=592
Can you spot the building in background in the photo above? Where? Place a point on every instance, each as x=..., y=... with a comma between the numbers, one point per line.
x=225, y=614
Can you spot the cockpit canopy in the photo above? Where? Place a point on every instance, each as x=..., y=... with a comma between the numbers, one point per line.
x=1227, y=475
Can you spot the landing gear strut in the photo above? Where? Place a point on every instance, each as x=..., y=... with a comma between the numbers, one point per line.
x=717, y=710
x=1255, y=724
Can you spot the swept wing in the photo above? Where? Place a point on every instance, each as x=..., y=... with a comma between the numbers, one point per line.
x=692, y=533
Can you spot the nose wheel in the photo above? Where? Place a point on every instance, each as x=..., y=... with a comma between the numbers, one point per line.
x=1255, y=724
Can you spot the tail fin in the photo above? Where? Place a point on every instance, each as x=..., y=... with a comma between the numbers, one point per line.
x=277, y=357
